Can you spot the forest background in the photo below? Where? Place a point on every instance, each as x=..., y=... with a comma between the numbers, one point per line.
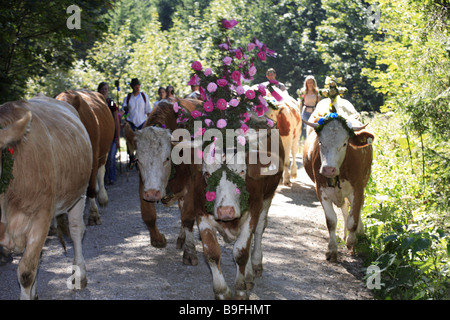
x=393, y=56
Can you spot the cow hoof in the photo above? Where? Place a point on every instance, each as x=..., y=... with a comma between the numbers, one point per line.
x=94, y=221
x=180, y=242
x=287, y=183
x=241, y=295
x=257, y=270
x=159, y=243
x=190, y=259
x=224, y=296
x=331, y=256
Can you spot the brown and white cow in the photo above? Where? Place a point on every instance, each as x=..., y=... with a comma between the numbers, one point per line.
x=52, y=164
x=289, y=123
x=340, y=166
x=156, y=172
x=96, y=117
x=227, y=218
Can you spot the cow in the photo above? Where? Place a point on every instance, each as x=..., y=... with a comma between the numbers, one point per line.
x=289, y=123
x=96, y=117
x=338, y=160
x=52, y=163
x=227, y=218
x=157, y=173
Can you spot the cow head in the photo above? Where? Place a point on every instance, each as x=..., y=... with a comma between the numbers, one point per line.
x=153, y=148
x=222, y=171
x=334, y=138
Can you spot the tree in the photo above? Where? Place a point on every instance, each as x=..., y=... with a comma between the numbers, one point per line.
x=35, y=36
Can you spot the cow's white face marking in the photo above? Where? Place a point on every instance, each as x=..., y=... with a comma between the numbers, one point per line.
x=153, y=148
x=333, y=142
x=227, y=196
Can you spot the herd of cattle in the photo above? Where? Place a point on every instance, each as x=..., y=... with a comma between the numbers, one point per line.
x=60, y=148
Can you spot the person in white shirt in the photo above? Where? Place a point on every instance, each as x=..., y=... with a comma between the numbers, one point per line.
x=137, y=105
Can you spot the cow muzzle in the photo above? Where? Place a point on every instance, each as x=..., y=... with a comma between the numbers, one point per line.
x=329, y=172
x=226, y=213
x=152, y=195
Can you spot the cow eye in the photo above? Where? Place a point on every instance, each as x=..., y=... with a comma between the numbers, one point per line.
x=345, y=144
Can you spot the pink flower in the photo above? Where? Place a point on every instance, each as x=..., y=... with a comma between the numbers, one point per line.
x=244, y=128
x=212, y=87
x=262, y=89
x=250, y=46
x=246, y=117
x=224, y=46
x=208, y=106
x=236, y=76
x=270, y=123
x=250, y=94
x=238, y=191
x=259, y=110
x=208, y=72
x=221, y=104
x=252, y=71
x=208, y=122
x=241, y=140
x=258, y=43
x=195, y=80
x=262, y=55
x=202, y=93
x=221, y=123
x=176, y=107
x=197, y=66
x=229, y=24
x=195, y=114
x=233, y=102
x=240, y=90
x=238, y=54
x=227, y=61
x=273, y=82
x=200, y=132
x=210, y=196
x=222, y=82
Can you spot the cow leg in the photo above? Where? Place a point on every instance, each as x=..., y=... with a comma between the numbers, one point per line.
x=241, y=253
x=287, y=145
x=102, y=194
x=257, y=248
x=331, y=219
x=186, y=238
x=28, y=265
x=294, y=150
x=94, y=216
x=344, y=210
x=211, y=250
x=77, y=228
x=148, y=213
x=354, y=224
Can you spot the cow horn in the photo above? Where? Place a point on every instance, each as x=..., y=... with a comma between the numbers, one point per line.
x=311, y=124
x=360, y=127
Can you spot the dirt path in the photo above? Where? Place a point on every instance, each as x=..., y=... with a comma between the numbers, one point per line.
x=122, y=265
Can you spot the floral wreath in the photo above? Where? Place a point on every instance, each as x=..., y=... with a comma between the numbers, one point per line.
x=7, y=168
x=214, y=180
x=334, y=116
x=227, y=104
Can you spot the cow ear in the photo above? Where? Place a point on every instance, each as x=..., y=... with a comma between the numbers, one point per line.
x=258, y=170
x=16, y=130
x=130, y=137
x=361, y=139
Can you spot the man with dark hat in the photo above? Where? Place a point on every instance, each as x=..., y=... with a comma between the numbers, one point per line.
x=137, y=105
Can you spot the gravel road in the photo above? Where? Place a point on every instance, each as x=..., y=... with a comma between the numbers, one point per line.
x=122, y=265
